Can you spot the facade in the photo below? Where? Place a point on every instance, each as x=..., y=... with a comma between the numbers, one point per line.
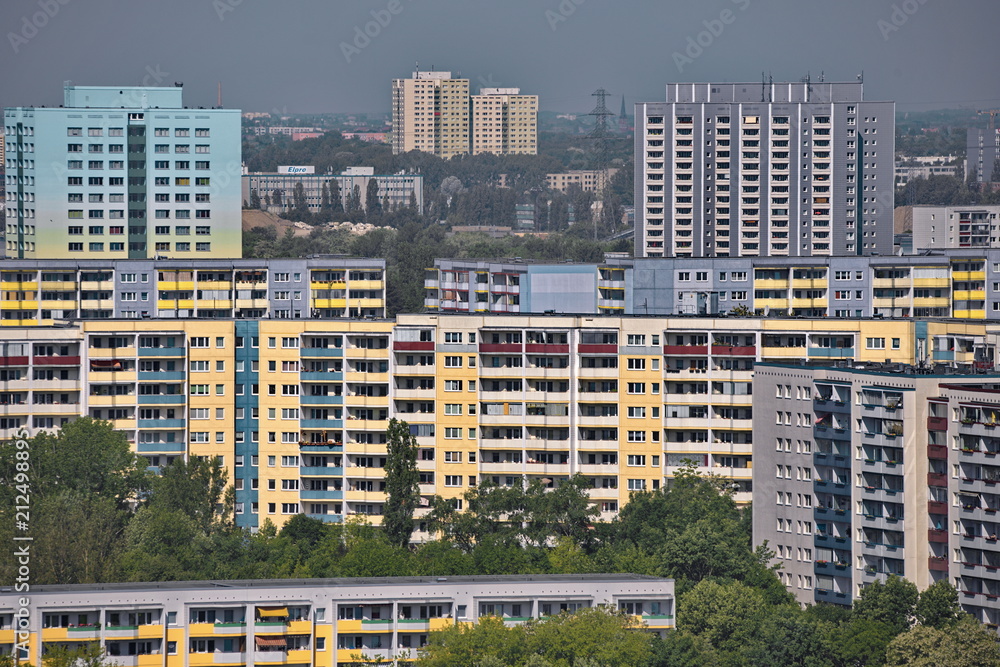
x=504, y=122
x=122, y=173
x=588, y=180
x=875, y=473
x=44, y=292
x=434, y=113
x=302, y=622
x=925, y=167
x=739, y=142
x=940, y=227
x=430, y=113
x=982, y=153
x=399, y=190
x=956, y=283
x=297, y=409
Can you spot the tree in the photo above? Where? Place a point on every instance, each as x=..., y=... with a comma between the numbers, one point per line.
x=727, y=615
x=300, y=211
x=276, y=197
x=892, y=603
x=88, y=655
x=591, y=637
x=373, y=208
x=938, y=605
x=964, y=644
x=255, y=202
x=196, y=488
x=86, y=456
x=325, y=205
x=402, y=482
x=336, y=199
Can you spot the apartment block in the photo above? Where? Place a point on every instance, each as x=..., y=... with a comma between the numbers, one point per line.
x=430, y=113
x=862, y=474
x=122, y=173
x=43, y=292
x=302, y=622
x=982, y=155
x=940, y=227
x=435, y=113
x=957, y=283
x=298, y=409
x=785, y=169
x=398, y=190
x=504, y=122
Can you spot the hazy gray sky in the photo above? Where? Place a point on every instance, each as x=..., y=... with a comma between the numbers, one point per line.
x=307, y=55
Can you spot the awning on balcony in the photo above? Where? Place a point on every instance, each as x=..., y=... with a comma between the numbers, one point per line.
x=272, y=612
x=271, y=642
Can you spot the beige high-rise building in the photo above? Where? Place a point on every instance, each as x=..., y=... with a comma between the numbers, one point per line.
x=504, y=121
x=430, y=113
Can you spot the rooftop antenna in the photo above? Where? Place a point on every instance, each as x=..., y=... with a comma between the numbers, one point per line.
x=770, y=87
x=822, y=76
x=763, y=87
x=220, y=94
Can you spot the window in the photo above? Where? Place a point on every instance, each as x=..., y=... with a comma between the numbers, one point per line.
x=452, y=409
x=453, y=336
x=453, y=385
x=875, y=343
x=637, y=412
x=453, y=480
x=637, y=436
x=452, y=434
x=453, y=362
x=636, y=460
x=637, y=485
x=637, y=387
x=635, y=364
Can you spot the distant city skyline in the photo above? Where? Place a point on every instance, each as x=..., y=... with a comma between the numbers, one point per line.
x=311, y=56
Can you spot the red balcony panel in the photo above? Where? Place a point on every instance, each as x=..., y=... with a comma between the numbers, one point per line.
x=539, y=348
x=937, y=479
x=937, y=452
x=936, y=507
x=500, y=347
x=13, y=361
x=939, y=536
x=686, y=349
x=413, y=345
x=937, y=565
x=57, y=361
x=937, y=423
x=734, y=351
x=597, y=349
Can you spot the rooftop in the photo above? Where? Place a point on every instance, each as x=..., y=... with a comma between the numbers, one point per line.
x=342, y=581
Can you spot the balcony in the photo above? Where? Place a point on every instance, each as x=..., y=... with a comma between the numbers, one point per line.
x=937, y=564
x=937, y=536
x=687, y=350
x=161, y=376
x=160, y=399
x=937, y=479
x=502, y=348
x=937, y=424
x=729, y=350
x=161, y=423
x=162, y=351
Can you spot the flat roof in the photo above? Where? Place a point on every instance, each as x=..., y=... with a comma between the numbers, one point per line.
x=339, y=581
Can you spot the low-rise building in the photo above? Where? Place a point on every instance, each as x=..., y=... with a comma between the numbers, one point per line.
x=301, y=622
x=276, y=191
